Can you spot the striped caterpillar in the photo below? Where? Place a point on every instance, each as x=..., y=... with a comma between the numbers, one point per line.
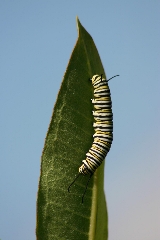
x=103, y=127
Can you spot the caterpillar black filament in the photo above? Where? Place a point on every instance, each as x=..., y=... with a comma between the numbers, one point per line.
x=103, y=127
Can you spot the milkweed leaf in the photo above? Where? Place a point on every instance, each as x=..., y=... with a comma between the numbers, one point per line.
x=62, y=215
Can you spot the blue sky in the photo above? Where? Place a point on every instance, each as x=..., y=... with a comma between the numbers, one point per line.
x=37, y=38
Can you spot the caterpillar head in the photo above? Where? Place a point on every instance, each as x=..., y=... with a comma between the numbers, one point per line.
x=83, y=169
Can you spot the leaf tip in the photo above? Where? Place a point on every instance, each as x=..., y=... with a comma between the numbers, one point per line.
x=78, y=22
x=77, y=19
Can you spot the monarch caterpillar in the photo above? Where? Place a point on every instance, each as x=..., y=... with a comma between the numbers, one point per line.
x=103, y=127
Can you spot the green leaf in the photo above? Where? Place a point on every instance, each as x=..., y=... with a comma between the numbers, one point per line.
x=62, y=215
